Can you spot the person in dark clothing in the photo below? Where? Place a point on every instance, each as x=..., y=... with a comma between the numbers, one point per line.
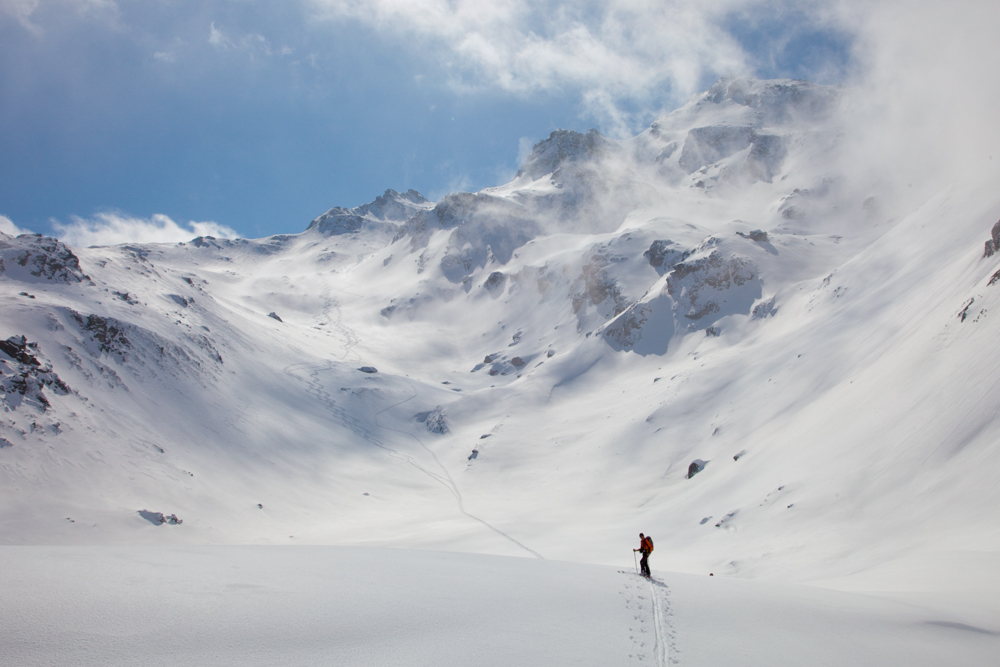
x=645, y=548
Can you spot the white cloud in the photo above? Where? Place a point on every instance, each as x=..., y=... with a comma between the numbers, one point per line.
x=218, y=39
x=20, y=11
x=106, y=11
x=611, y=51
x=111, y=228
x=922, y=105
x=7, y=226
x=252, y=43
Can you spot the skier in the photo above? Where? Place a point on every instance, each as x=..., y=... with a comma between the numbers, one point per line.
x=645, y=548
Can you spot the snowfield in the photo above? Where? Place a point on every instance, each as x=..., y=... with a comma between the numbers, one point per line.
x=327, y=446
x=316, y=605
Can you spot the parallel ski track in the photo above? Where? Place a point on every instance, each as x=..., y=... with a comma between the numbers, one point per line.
x=660, y=597
x=663, y=632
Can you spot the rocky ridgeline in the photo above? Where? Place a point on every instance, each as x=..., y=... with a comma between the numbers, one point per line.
x=36, y=258
x=24, y=376
x=387, y=212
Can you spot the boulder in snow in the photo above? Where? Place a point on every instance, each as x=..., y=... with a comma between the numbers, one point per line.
x=696, y=467
x=159, y=518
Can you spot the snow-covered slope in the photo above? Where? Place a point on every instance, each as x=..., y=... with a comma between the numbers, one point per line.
x=706, y=332
x=111, y=606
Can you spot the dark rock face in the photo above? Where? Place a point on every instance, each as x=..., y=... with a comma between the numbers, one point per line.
x=368, y=369
x=994, y=243
x=24, y=378
x=764, y=309
x=757, y=235
x=696, y=467
x=158, y=518
x=696, y=284
x=494, y=284
x=18, y=348
x=663, y=254
x=562, y=148
x=33, y=256
x=388, y=210
x=108, y=332
x=274, y=316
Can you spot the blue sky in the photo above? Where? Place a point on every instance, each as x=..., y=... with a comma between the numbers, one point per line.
x=259, y=116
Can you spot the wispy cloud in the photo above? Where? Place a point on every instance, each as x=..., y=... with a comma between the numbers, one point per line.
x=251, y=42
x=923, y=99
x=622, y=50
x=20, y=11
x=7, y=226
x=111, y=228
x=25, y=11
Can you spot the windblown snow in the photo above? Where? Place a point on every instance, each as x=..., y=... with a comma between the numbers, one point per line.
x=705, y=332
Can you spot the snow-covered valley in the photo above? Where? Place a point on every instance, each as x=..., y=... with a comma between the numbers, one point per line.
x=708, y=332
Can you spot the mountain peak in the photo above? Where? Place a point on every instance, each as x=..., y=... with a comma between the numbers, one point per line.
x=777, y=100
x=391, y=207
x=563, y=146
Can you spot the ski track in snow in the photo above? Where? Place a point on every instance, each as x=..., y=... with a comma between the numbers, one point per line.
x=351, y=339
x=664, y=632
x=655, y=595
x=316, y=388
x=447, y=479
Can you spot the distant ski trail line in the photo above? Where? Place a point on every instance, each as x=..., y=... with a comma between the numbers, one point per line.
x=350, y=338
x=315, y=387
x=448, y=481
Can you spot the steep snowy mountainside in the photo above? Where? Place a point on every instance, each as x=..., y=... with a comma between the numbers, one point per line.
x=704, y=332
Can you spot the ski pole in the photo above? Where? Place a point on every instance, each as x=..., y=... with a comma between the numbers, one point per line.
x=636, y=562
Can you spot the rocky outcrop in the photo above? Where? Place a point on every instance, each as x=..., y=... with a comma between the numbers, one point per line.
x=386, y=212
x=434, y=421
x=708, y=285
x=714, y=285
x=598, y=288
x=25, y=375
x=133, y=345
x=159, y=518
x=562, y=148
x=776, y=102
x=484, y=228
x=37, y=258
x=663, y=254
x=494, y=284
x=994, y=243
x=708, y=145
